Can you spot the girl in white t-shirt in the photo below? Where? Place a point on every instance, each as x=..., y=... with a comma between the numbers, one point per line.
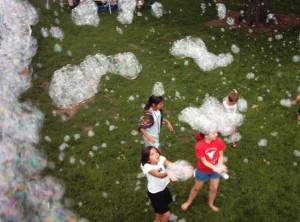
x=230, y=105
x=152, y=121
x=153, y=165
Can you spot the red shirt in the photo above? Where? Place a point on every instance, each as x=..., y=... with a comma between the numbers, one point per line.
x=210, y=151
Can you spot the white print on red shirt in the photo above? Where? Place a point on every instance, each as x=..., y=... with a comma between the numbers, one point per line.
x=210, y=153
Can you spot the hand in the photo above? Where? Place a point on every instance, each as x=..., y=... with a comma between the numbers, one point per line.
x=219, y=168
x=171, y=176
x=151, y=140
x=294, y=102
x=170, y=126
x=222, y=166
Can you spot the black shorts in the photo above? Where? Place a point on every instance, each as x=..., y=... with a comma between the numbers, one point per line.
x=161, y=200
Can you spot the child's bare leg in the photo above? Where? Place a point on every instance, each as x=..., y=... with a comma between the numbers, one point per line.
x=157, y=217
x=193, y=193
x=213, y=189
x=165, y=217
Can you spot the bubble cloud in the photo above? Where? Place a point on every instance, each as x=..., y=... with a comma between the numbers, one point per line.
x=195, y=48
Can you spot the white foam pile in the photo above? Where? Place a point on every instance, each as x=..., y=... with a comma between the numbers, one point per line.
x=126, y=11
x=157, y=9
x=25, y=195
x=126, y=65
x=211, y=116
x=158, y=89
x=180, y=170
x=271, y=17
x=221, y=8
x=73, y=84
x=285, y=102
x=230, y=21
x=86, y=13
x=235, y=49
x=57, y=33
x=195, y=48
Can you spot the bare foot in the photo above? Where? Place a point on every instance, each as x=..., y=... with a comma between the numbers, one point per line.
x=213, y=207
x=185, y=206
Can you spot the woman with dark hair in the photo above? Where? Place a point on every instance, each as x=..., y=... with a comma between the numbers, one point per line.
x=152, y=121
x=154, y=166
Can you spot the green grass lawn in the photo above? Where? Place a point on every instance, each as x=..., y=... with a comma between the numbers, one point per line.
x=105, y=187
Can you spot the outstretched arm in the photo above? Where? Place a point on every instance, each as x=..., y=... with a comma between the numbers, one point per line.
x=294, y=102
x=169, y=124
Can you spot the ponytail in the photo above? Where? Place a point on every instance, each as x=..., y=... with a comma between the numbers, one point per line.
x=153, y=100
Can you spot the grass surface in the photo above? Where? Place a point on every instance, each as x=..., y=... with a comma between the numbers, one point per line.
x=105, y=188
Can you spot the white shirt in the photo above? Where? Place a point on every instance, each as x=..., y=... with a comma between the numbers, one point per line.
x=156, y=184
x=154, y=130
x=230, y=109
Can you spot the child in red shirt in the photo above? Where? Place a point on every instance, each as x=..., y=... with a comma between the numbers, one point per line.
x=209, y=152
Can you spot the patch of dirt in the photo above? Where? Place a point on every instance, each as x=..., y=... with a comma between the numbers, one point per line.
x=284, y=22
x=87, y=128
x=69, y=113
x=133, y=46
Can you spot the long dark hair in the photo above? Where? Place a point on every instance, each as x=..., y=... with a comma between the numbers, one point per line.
x=153, y=100
x=146, y=154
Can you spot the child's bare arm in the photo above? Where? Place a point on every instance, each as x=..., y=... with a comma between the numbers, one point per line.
x=155, y=173
x=294, y=102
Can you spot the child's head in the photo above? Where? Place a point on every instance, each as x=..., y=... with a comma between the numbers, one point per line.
x=146, y=152
x=156, y=101
x=233, y=96
x=211, y=135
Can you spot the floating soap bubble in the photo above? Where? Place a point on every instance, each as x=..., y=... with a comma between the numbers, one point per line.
x=235, y=49
x=286, y=102
x=134, y=133
x=296, y=58
x=86, y=13
x=119, y=30
x=158, y=89
x=45, y=32
x=203, y=7
x=57, y=48
x=250, y=75
x=275, y=133
x=76, y=137
x=94, y=67
x=263, y=142
x=126, y=65
x=297, y=153
x=180, y=170
x=242, y=105
x=67, y=138
x=230, y=21
x=157, y=9
x=57, y=33
x=221, y=8
x=196, y=49
x=278, y=36
x=211, y=116
x=126, y=11
x=271, y=17
x=69, y=86
x=91, y=133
